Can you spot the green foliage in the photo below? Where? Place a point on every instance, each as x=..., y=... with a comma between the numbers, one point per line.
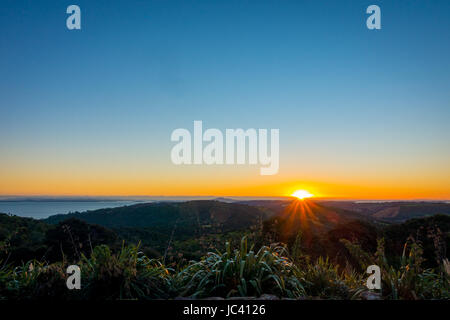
x=432, y=232
x=323, y=280
x=242, y=272
x=239, y=272
x=126, y=275
x=72, y=238
x=409, y=280
x=34, y=280
x=21, y=239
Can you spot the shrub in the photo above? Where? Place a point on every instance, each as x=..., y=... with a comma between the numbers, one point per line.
x=126, y=275
x=323, y=280
x=241, y=272
x=409, y=280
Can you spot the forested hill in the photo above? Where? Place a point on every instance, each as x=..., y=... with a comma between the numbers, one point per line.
x=208, y=215
x=392, y=211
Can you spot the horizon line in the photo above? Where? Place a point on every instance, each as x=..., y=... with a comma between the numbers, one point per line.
x=205, y=197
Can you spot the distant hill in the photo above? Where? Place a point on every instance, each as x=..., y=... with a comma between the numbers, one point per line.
x=392, y=211
x=161, y=226
x=228, y=200
x=192, y=216
x=275, y=206
x=308, y=216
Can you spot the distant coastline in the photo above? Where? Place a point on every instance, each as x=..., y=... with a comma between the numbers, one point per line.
x=41, y=209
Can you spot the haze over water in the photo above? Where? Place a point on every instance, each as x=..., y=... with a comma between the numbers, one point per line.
x=44, y=209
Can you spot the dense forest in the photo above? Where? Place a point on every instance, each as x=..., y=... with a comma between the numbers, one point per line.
x=201, y=249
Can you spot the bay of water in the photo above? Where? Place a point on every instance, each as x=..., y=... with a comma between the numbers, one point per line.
x=44, y=209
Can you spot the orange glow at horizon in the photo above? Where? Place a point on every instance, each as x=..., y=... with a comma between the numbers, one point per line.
x=227, y=182
x=173, y=187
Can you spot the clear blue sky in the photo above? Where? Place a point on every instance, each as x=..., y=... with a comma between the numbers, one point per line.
x=139, y=69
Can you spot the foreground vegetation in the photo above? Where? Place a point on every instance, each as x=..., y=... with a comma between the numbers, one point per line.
x=204, y=249
x=235, y=272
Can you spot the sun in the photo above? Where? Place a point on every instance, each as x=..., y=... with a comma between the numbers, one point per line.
x=302, y=194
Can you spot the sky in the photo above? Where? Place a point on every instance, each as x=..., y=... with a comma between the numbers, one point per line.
x=362, y=114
